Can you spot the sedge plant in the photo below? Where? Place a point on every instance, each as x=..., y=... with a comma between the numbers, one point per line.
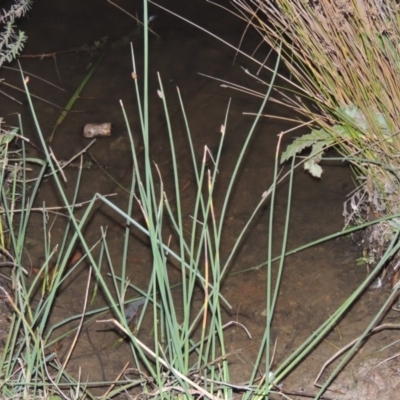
x=186, y=355
x=343, y=63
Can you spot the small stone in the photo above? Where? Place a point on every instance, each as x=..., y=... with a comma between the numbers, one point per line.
x=97, y=130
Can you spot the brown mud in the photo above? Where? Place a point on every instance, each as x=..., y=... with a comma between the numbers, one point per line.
x=315, y=281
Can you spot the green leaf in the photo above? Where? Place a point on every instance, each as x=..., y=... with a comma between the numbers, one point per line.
x=312, y=166
x=7, y=138
x=305, y=141
x=360, y=121
x=318, y=140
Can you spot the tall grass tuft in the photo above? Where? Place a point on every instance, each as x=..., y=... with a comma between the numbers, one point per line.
x=187, y=355
x=343, y=58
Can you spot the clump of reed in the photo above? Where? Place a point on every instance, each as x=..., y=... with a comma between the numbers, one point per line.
x=344, y=57
x=177, y=363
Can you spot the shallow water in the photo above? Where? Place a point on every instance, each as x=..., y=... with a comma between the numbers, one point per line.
x=315, y=281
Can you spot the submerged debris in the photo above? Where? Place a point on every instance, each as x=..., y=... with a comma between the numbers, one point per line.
x=370, y=203
x=97, y=130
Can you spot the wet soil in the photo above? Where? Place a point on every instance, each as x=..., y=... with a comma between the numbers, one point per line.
x=315, y=281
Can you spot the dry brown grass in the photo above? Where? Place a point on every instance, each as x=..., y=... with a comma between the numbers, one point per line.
x=345, y=57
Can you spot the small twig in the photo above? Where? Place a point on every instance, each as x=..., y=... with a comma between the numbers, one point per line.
x=227, y=325
x=11, y=98
x=34, y=76
x=58, y=164
x=345, y=348
x=44, y=55
x=32, y=95
x=78, y=330
x=105, y=395
x=84, y=150
x=388, y=359
x=115, y=322
x=64, y=165
x=21, y=137
x=61, y=393
x=56, y=208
